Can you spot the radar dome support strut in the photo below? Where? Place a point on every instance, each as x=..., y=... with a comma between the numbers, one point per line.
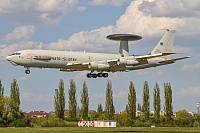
x=123, y=48
x=124, y=39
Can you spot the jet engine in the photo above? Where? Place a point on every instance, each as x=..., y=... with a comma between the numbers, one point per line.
x=128, y=62
x=97, y=66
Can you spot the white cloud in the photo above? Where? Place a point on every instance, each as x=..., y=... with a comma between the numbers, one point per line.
x=20, y=46
x=28, y=96
x=166, y=8
x=149, y=72
x=82, y=8
x=46, y=18
x=192, y=91
x=108, y=2
x=133, y=21
x=94, y=40
x=22, y=78
x=47, y=11
x=190, y=67
x=81, y=75
x=21, y=33
x=137, y=21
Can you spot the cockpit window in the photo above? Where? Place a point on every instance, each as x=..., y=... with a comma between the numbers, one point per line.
x=15, y=53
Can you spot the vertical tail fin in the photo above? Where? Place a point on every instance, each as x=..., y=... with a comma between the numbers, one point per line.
x=166, y=43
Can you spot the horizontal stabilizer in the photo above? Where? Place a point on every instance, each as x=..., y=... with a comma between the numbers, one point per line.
x=175, y=59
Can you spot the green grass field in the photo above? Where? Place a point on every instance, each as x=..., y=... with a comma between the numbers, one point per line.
x=101, y=130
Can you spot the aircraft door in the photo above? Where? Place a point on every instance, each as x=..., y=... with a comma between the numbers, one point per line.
x=29, y=55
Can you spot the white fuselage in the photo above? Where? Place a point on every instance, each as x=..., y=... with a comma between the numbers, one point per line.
x=58, y=59
x=63, y=59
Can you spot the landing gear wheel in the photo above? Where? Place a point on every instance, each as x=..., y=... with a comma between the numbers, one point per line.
x=27, y=71
x=94, y=75
x=89, y=75
x=100, y=74
x=105, y=75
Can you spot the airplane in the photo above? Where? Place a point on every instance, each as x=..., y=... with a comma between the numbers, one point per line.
x=99, y=64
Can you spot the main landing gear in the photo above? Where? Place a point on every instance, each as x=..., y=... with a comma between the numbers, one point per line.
x=27, y=71
x=94, y=75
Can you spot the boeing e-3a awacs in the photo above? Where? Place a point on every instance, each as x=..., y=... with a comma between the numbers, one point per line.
x=98, y=62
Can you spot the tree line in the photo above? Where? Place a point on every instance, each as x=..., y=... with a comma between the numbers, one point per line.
x=11, y=115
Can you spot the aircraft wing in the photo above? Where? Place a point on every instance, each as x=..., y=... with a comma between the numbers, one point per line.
x=112, y=62
x=70, y=67
x=76, y=65
x=144, y=57
x=175, y=59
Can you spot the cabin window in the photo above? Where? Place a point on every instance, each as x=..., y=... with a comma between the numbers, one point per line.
x=16, y=53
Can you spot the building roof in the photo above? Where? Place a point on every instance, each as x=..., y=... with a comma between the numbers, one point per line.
x=36, y=113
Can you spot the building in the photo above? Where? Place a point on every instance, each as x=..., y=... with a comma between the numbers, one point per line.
x=36, y=114
x=138, y=113
x=198, y=112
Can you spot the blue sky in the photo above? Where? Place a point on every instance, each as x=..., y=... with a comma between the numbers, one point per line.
x=81, y=25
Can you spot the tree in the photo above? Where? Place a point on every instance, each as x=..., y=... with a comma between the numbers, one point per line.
x=156, y=102
x=146, y=104
x=92, y=115
x=59, y=100
x=7, y=115
x=184, y=118
x=168, y=101
x=139, y=108
x=72, y=100
x=109, y=109
x=84, y=102
x=15, y=98
x=100, y=112
x=1, y=99
x=99, y=109
x=131, y=107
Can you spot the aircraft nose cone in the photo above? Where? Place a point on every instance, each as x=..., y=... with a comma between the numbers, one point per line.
x=8, y=58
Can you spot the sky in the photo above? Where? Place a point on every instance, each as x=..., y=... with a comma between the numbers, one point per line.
x=82, y=25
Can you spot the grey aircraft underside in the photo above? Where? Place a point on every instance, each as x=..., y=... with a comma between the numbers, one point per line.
x=98, y=62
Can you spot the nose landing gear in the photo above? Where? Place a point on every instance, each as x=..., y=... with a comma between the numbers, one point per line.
x=27, y=71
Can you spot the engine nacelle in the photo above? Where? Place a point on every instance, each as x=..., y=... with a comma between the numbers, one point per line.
x=127, y=62
x=96, y=66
